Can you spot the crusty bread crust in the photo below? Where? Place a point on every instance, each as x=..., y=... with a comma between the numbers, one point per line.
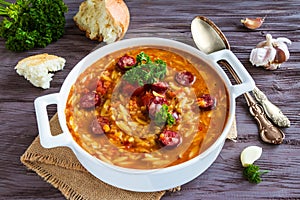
x=103, y=20
x=39, y=59
x=119, y=11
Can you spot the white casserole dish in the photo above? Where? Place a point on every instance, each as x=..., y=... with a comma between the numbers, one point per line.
x=134, y=179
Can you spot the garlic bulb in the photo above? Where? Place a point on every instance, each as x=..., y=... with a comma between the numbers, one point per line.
x=270, y=53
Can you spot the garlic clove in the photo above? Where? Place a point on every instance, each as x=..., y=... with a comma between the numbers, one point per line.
x=262, y=56
x=252, y=23
x=284, y=40
x=281, y=55
x=250, y=154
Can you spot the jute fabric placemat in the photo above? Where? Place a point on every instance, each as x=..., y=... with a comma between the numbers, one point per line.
x=60, y=167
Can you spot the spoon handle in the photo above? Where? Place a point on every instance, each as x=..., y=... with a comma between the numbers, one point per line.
x=272, y=111
x=268, y=132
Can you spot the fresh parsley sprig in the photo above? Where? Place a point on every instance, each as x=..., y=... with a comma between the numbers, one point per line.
x=31, y=23
x=146, y=71
x=253, y=173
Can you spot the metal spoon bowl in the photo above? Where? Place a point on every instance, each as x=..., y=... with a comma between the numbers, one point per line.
x=209, y=38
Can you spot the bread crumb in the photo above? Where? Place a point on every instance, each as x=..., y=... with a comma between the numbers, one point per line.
x=36, y=68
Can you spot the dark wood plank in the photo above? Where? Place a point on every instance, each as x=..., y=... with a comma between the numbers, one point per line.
x=171, y=19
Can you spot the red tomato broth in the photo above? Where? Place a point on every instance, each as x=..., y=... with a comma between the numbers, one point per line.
x=146, y=152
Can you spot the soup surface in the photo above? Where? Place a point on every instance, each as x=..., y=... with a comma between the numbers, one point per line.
x=147, y=107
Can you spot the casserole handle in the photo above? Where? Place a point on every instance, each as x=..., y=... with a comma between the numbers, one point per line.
x=247, y=83
x=47, y=139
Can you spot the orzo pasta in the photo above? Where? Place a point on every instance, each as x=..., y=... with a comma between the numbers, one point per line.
x=147, y=108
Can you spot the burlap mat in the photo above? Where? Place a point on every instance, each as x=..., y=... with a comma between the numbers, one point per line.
x=59, y=167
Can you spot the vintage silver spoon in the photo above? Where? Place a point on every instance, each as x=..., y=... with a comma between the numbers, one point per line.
x=209, y=38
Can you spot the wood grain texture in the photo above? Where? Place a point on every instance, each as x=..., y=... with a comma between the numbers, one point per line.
x=171, y=19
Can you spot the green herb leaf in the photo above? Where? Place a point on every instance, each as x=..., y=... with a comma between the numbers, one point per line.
x=146, y=73
x=31, y=23
x=161, y=62
x=164, y=117
x=253, y=173
x=142, y=58
x=170, y=119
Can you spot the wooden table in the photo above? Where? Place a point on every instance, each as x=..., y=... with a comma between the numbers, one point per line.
x=172, y=19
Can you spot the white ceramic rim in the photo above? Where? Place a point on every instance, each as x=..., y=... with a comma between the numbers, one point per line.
x=82, y=155
x=135, y=42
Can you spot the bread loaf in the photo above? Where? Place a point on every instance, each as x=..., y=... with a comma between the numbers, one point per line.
x=103, y=20
x=36, y=68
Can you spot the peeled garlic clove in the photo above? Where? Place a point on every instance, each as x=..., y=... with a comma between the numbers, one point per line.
x=250, y=154
x=253, y=23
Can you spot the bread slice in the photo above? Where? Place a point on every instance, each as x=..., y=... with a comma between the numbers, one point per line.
x=36, y=68
x=103, y=20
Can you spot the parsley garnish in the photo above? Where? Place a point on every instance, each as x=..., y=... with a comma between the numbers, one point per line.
x=31, y=23
x=142, y=57
x=253, y=173
x=146, y=71
x=164, y=117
